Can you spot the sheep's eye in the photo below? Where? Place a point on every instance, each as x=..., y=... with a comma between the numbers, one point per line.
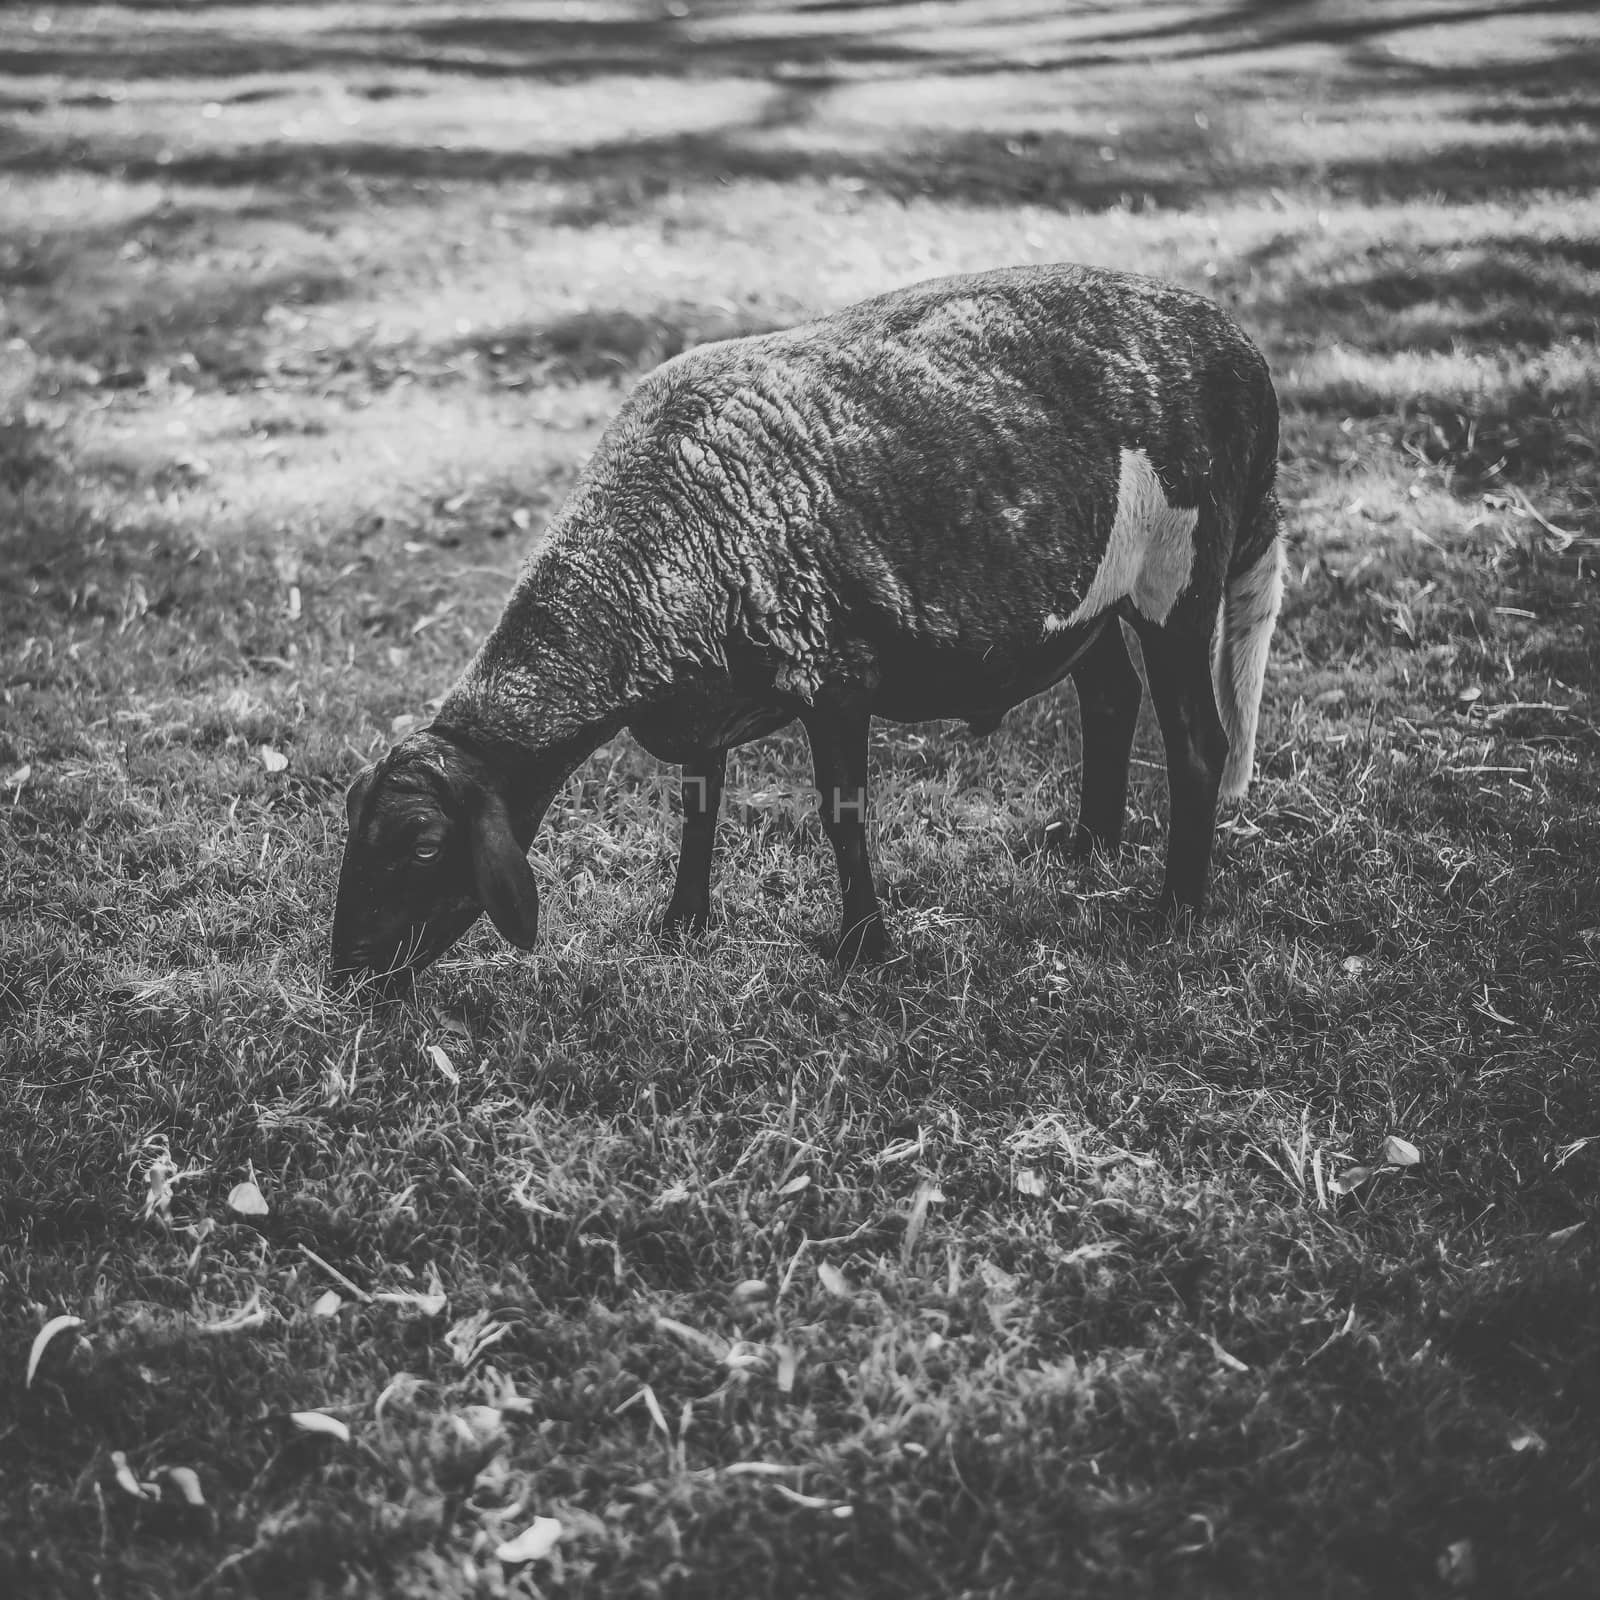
x=425, y=852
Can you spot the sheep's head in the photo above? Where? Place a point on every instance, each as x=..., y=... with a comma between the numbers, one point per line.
x=431, y=846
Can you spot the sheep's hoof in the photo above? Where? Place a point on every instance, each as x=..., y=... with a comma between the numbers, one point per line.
x=1087, y=847
x=680, y=922
x=862, y=943
x=1176, y=917
x=1072, y=842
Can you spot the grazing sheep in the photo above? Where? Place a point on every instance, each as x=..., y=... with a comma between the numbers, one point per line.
x=933, y=504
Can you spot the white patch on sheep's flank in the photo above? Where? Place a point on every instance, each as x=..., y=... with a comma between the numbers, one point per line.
x=1150, y=553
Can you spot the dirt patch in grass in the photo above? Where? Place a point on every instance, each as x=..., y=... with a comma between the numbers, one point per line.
x=1034, y=1262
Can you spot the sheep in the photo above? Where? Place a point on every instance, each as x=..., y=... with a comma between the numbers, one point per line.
x=933, y=504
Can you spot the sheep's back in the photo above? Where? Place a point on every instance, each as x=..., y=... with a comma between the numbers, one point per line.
x=941, y=466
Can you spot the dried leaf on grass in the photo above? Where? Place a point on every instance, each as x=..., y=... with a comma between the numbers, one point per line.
x=813, y=1502
x=187, y=1482
x=437, y=1054
x=788, y=1366
x=1400, y=1152
x=41, y=1342
x=996, y=1279
x=1231, y=1362
x=1457, y=1565
x=928, y=1194
x=834, y=1281
x=246, y=1200
x=321, y=1422
x=128, y=1482
x=534, y=1543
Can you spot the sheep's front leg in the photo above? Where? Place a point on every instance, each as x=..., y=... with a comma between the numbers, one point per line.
x=1109, y=693
x=839, y=759
x=689, y=909
x=1177, y=660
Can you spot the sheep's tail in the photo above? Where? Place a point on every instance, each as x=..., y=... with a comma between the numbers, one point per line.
x=1239, y=659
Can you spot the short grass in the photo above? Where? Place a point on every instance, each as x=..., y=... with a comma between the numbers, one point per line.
x=1018, y=1267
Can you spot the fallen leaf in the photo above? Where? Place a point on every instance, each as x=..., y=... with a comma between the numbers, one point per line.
x=326, y=1304
x=1030, y=1183
x=812, y=1502
x=751, y=1289
x=1231, y=1362
x=1093, y=1251
x=1400, y=1152
x=41, y=1342
x=1562, y=1235
x=159, y=1185
x=673, y=1195
x=788, y=1366
x=246, y=1200
x=996, y=1279
x=479, y=1427
x=321, y=1422
x=272, y=760
x=187, y=1482
x=534, y=1543
x=928, y=1194
x=1354, y=966
x=1350, y=1178
x=443, y=1062
x=795, y=1185
x=15, y=779
x=834, y=1281
x=1522, y=1439
x=1457, y=1565
x=745, y=1354
x=127, y=1482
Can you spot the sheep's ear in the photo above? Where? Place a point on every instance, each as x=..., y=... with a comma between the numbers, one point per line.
x=357, y=792
x=505, y=881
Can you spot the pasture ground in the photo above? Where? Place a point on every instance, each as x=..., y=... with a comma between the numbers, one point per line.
x=1020, y=1266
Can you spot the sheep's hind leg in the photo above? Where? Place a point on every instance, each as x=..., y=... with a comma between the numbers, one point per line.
x=839, y=759
x=689, y=909
x=1109, y=693
x=1177, y=660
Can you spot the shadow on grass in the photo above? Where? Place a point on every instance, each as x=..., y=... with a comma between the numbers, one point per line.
x=728, y=38
x=1161, y=159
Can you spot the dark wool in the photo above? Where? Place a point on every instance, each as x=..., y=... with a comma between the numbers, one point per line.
x=898, y=510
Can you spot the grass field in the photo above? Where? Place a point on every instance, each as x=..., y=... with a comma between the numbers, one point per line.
x=1029, y=1264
